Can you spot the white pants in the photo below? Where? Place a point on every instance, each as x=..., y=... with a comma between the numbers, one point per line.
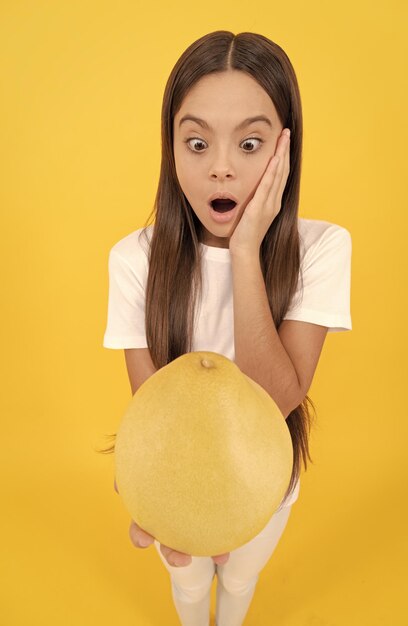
x=236, y=579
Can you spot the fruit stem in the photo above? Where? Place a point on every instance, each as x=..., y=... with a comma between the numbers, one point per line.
x=207, y=363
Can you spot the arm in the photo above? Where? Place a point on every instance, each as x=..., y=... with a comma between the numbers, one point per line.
x=139, y=366
x=282, y=363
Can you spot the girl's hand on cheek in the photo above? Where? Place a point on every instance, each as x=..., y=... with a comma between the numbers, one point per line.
x=265, y=205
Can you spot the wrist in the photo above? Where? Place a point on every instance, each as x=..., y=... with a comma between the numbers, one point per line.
x=248, y=255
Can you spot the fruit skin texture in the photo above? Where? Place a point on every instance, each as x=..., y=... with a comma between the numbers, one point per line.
x=203, y=455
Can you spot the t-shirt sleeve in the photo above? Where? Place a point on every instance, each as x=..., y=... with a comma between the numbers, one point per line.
x=326, y=271
x=126, y=305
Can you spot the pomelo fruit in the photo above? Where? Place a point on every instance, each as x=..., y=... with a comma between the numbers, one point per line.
x=203, y=455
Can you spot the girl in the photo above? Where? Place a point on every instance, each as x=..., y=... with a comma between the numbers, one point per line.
x=228, y=266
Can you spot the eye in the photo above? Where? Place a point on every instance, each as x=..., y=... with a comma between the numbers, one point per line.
x=252, y=139
x=187, y=141
x=202, y=142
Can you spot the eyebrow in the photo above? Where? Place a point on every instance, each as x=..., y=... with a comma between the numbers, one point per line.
x=245, y=122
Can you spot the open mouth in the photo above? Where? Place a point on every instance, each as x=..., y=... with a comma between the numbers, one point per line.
x=222, y=205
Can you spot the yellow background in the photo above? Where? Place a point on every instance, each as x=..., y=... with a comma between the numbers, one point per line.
x=81, y=91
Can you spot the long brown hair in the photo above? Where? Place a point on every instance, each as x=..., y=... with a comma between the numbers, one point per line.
x=174, y=278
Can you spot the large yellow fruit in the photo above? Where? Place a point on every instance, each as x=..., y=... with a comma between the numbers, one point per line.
x=203, y=455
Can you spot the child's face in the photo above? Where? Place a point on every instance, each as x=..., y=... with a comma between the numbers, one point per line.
x=222, y=158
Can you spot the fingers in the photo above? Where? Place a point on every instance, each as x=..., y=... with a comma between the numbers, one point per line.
x=272, y=176
x=175, y=558
x=180, y=559
x=285, y=158
x=279, y=174
x=221, y=559
x=139, y=537
x=282, y=152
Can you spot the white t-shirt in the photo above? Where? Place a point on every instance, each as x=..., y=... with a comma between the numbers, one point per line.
x=325, y=264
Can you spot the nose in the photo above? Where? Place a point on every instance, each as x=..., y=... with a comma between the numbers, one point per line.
x=221, y=168
x=220, y=174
